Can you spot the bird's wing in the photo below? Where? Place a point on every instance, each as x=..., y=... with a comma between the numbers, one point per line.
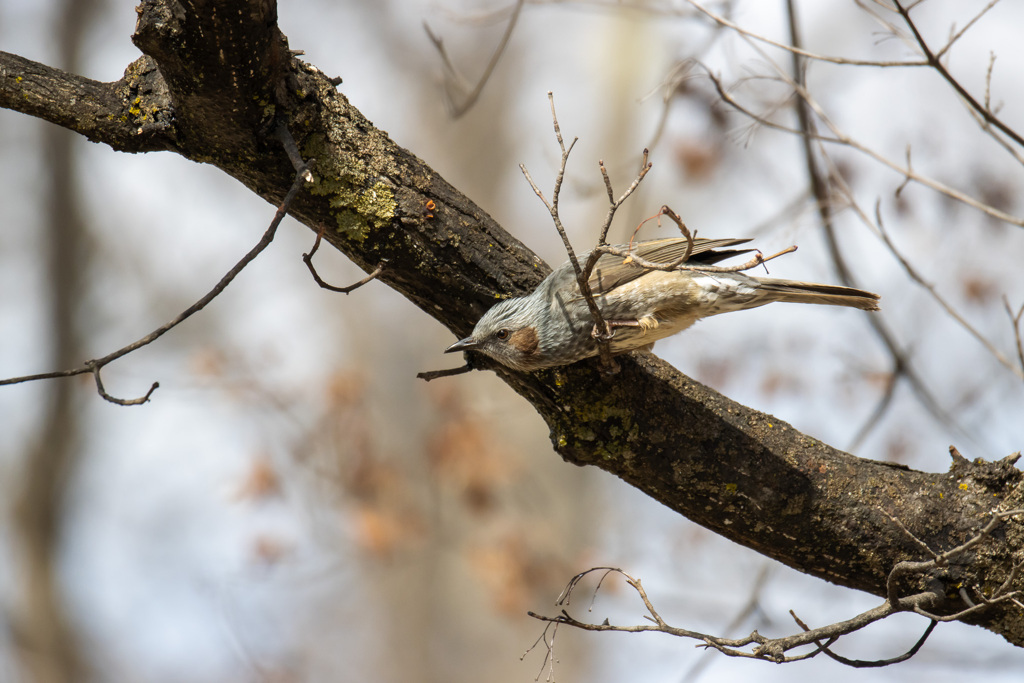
x=611, y=271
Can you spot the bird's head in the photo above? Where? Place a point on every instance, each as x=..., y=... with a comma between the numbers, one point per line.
x=509, y=334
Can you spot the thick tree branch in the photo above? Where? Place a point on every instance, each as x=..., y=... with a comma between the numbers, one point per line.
x=737, y=471
x=130, y=115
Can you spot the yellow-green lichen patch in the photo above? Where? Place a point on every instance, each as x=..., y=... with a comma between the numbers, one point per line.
x=617, y=421
x=343, y=179
x=356, y=211
x=135, y=109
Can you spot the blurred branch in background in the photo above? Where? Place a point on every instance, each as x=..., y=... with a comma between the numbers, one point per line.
x=47, y=646
x=459, y=95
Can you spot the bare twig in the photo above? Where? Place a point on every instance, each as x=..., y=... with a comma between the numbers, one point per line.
x=823, y=202
x=437, y=374
x=308, y=260
x=452, y=74
x=604, y=349
x=868, y=664
x=779, y=649
x=966, y=27
x=765, y=648
x=300, y=165
x=675, y=218
x=95, y=369
x=881, y=407
x=796, y=50
x=94, y=366
x=755, y=261
x=1000, y=594
x=902, y=368
x=549, y=652
x=603, y=332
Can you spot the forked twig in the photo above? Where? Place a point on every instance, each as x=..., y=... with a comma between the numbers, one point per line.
x=603, y=330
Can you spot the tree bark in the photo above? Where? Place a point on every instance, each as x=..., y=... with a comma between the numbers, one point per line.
x=217, y=77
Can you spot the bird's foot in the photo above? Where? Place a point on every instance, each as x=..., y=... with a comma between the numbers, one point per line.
x=644, y=324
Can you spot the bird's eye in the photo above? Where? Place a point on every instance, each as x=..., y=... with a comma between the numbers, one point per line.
x=502, y=334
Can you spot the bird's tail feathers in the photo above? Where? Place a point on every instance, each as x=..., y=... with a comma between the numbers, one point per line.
x=810, y=293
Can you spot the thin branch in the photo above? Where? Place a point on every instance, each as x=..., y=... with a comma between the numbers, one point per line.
x=95, y=369
x=779, y=649
x=308, y=260
x=902, y=366
x=820, y=187
x=959, y=34
x=1015, y=319
x=613, y=207
x=437, y=374
x=284, y=135
x=869, y=664
x=796, y=50
x=603, y=332
x=941, y=559
x=604, y=349
x=549, y=652
x=457, y=110
x=95, y=365
x=755, y=261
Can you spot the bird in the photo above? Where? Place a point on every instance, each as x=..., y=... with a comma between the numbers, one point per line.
x=553, y=326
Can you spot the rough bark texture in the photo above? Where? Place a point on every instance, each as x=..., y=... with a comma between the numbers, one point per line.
x=215, y=79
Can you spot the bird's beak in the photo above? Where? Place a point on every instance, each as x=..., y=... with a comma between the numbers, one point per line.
x=467, y=344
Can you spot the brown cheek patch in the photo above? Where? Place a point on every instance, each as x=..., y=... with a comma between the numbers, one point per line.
x=525, y=340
